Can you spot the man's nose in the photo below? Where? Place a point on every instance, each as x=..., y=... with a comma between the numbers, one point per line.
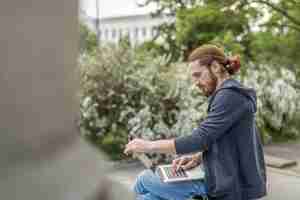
x=198, y=83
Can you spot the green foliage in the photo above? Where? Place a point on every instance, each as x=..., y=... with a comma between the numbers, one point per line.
x=278, y=100
x=203, y=24
x=277, y=49
x=117, y=85
x=87, y=39
x=277, y=41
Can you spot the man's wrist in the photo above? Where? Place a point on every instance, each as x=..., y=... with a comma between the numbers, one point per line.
x=152, y=146
x=198, y=157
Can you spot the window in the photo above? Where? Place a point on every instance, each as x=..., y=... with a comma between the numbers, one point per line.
x=106, y=34
x=100, y=34
x=154, y=31
x=136, y=33
x=128, y=33
x=144, y=31
x=120, y=33
x=113, y=34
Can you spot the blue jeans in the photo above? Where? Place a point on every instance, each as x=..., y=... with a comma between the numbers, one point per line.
x=149, y=187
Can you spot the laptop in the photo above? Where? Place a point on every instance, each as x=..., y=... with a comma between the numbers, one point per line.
x=166, y=174
x=165, y=171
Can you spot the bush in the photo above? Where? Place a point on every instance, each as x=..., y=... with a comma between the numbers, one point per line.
x=278, y=101
x=126, y=93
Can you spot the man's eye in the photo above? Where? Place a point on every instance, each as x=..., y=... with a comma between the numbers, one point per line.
x=198, y=75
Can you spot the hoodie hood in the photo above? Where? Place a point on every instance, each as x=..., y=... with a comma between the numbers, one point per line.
x=233, y=84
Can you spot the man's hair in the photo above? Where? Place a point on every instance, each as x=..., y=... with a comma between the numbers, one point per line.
x=205, y=51
x=208, y=53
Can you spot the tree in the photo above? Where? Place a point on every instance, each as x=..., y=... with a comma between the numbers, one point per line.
x=278, y=41
x=288, y=10
x=199, y=22
x=208, y=23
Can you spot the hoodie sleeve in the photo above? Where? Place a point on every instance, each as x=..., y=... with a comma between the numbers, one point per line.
x=227, y=108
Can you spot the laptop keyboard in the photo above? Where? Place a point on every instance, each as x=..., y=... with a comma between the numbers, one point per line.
x=178, y=174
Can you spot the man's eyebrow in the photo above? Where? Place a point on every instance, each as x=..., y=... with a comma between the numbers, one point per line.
x=196, y=73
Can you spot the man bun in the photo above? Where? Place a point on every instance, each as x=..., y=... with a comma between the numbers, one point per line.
x=233, y=64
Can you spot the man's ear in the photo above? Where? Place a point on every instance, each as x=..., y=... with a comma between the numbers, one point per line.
x=216, y=67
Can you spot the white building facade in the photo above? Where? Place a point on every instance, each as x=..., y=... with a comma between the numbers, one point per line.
x=138, y=28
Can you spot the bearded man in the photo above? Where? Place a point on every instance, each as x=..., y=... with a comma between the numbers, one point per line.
x=228, y=139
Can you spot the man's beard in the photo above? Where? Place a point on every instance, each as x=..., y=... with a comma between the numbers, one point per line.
x=207, y=91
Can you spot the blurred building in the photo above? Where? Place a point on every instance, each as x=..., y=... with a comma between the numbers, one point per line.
x=138, y=28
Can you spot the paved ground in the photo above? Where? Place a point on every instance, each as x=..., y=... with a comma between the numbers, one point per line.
x=126, y=173
x=290, y=150
x=283, y=183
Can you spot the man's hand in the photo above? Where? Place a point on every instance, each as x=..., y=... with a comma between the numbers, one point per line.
x=138, y=146
x=186, y=162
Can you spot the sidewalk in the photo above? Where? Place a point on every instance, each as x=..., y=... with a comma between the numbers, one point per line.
x=289, y=150
x=126, y=173
x=283, y=184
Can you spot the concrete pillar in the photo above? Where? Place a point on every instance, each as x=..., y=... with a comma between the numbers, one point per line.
x=42, y=155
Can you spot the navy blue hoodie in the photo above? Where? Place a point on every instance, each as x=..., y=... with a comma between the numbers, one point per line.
x=229, y=139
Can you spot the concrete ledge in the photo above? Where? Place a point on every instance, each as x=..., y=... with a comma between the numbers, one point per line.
x=283, y=172
x=280, y=163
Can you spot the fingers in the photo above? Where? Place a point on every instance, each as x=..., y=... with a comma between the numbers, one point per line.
x=175, y=161
x=178, y=163
x=174, y=164
x=127, y=150
x=184, y=163
x=181, y=163
x=189, y=165
x=130, y=148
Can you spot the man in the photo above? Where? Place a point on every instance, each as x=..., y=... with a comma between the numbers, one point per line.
x=232, y=153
